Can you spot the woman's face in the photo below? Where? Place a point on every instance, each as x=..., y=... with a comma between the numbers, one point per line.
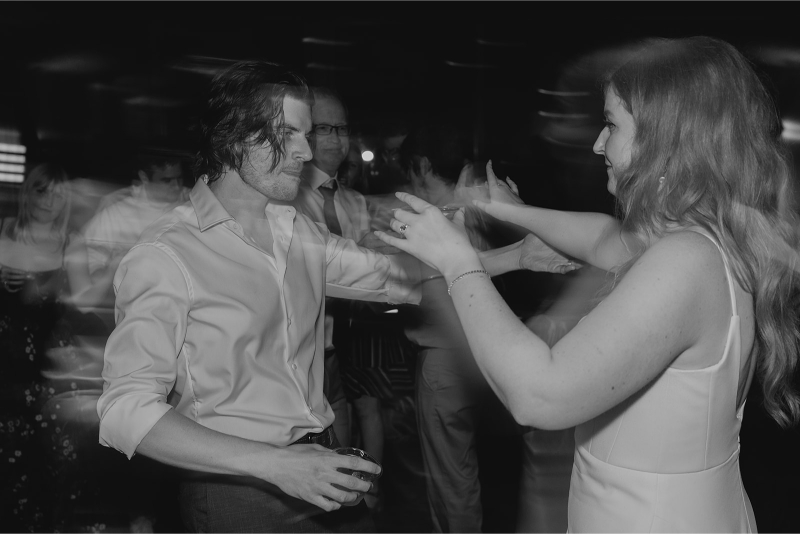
x=47, y=201
x=615, y=141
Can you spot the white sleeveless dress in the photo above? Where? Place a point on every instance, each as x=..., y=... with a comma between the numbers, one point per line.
x=667, y=459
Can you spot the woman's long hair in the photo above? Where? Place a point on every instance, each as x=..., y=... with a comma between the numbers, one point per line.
x=45, y=175
x=706, y=124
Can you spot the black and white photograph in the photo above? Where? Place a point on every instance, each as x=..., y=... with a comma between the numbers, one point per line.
x=399, y=267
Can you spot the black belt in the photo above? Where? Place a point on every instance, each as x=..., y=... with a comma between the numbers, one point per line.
x=326, y=438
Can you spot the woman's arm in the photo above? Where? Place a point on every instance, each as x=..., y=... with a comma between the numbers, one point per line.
x=658, y=311
x=594, y=238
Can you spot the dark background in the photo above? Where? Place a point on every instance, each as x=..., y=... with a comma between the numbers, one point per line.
x=89, y=83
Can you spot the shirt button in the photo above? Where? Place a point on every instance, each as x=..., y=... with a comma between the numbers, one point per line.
x=294, y=366
x=289, y=322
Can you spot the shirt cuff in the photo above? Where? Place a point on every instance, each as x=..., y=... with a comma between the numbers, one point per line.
x=127, y=420
x=403, y=286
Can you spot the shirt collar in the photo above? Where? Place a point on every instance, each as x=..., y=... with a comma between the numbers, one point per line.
x=207, y=206
x=315, y=177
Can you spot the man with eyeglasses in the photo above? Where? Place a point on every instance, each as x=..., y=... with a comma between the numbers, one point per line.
x=344, y=212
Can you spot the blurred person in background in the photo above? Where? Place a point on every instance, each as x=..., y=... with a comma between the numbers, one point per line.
x=123, y=215
x=385, y=175
x=453, y=400
x=38, y=330
x=704, y=295
x=325, y=200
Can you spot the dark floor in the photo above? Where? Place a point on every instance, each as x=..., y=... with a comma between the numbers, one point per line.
x=120, y=491
x=140, y=495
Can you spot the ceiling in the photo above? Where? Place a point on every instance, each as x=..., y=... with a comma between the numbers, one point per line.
x=91, y=80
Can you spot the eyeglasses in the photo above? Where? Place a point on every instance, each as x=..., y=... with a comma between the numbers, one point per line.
x=327, y=129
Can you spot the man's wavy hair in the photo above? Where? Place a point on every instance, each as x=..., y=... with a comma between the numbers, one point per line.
x=705, y=123
x=245, y=109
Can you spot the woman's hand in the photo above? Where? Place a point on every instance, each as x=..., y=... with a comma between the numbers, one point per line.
x=430, y=236
x=502, y=198
x=535, y=255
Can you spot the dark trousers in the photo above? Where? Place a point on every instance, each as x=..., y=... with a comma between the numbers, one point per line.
x=223, y=503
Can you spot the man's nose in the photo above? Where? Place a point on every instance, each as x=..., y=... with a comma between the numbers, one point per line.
x=302, y=151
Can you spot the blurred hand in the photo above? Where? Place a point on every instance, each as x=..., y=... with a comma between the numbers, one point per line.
x=430, y=236
x=372, y=242
x=502, y=198
x=310, y=472
x=535, y=255
x=12, y=279
x=467, y=190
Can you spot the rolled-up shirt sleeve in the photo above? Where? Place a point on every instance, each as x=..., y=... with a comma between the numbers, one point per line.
x=140, y=369
x=361, y=274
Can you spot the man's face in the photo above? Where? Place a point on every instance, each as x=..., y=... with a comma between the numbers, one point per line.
x=164, y=183
x=329, y=150
x=283, y=182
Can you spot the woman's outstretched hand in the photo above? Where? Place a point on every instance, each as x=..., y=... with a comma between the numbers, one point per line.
x=501, y=196
x=429, y=236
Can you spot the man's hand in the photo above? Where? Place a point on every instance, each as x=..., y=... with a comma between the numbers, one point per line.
x=535, y=255
x=372, y=242
x=309, y=472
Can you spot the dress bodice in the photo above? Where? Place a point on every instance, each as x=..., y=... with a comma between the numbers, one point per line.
x=666, y=459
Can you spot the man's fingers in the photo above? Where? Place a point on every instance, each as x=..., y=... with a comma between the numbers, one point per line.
x=325, y=503
x=458, y=218
x=480, y=205
x=398, y=243
x=404, y=217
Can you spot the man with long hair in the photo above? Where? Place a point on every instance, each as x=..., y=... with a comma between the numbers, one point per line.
x=216, y=362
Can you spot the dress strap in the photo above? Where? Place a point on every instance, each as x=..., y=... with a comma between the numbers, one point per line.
x=731, y=288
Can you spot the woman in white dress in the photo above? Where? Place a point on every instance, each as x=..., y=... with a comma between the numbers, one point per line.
x=704, y=294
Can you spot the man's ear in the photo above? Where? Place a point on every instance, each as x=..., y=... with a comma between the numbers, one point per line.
x=143, y=176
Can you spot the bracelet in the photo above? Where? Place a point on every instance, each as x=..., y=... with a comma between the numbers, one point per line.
x=459, y=277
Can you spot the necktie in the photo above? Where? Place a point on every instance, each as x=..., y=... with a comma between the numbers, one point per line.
x=329, y=209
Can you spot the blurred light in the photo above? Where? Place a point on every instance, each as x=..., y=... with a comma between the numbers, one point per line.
x=470, y=65
x=12, y=178
x=326, y=42
x=553, y=115
x=394, y=310
x=10, y=167
x=15, y=149
x=564, y=93
x=367, y=155
x=791, y=130
x=12, y=158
